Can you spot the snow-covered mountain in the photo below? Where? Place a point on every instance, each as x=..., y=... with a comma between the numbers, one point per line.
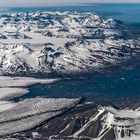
x=101, y=123
x=62, y=42
x=89, y=121
x=61, y=24
x=13, y=35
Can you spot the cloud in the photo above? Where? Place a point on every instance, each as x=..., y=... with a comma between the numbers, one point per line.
x=54, y=2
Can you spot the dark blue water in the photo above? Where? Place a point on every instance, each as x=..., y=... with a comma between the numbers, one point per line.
x=100, y=88
x=124, y=12
x=97, y=88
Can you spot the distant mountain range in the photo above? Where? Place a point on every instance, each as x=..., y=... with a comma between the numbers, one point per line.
x=62, y=42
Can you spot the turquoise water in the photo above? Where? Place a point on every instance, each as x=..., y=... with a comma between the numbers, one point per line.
x=124, y=12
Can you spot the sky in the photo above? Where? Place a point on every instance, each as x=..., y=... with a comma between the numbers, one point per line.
x=9, y=3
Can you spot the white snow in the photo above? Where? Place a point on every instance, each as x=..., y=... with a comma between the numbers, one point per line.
x=6, y=81
x=16, y=86
x=6, y=105
x=65, y=128
x=12, y=92
x=124, y=113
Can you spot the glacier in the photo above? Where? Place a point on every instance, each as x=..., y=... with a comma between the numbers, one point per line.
x=30, y=113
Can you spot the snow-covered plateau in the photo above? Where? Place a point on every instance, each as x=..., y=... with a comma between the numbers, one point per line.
x=62, y=42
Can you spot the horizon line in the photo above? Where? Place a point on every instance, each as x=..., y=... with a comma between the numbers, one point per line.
x=64, y=4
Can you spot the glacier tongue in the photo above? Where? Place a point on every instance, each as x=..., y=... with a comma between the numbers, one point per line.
x=30, y=113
